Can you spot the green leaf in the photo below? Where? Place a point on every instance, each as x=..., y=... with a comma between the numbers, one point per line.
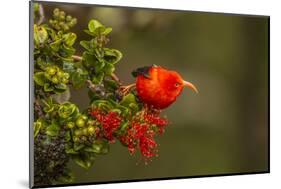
x=53, y=130
x=71, y=151
x=128, y=99
x=48, y=87
x=52, y=34
x=68, y=67
x=134, y=106
x=109, y=69
x=39, y=78
x=69, y=38
x=67, y=109
x=42, y=63
x=124, y=126
x=107, y=31
x=102, y=104
x=93, y=25
x=60, y=88
x=84, y=160
x=62, y=97
x=90, y=33
x=98, y=78
x=89, y=60
x=112, y=56
x=100, y=147
x=93, y=96
x=67, y=136
x=78, y=78
x=69, y=178
x=40, y=34
x=66, y=51
x=130, y=102
x=37, y=126
x=78, y=147
x=99, y=66
x=36, y=7
x=86, y=45
x=49, y=109
x=125, y=110
x=116, y=110
x=55, y=46
x=49, y=106
x=110, y=84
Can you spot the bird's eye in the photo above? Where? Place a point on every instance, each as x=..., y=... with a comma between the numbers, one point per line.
x=177, y=84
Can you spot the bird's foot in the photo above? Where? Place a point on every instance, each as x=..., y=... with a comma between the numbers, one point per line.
x=125, y=89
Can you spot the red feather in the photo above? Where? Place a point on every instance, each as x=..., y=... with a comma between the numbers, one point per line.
x=161, y=88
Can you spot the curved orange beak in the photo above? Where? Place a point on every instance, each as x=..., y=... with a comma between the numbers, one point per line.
x=190, y=85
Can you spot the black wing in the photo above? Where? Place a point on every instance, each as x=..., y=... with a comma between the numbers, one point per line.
x=142, y=71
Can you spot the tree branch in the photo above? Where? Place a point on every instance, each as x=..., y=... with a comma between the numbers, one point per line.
x=41, y=15
x=115, y=78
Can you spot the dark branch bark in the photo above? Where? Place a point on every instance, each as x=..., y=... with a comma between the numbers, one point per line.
x=38, y=109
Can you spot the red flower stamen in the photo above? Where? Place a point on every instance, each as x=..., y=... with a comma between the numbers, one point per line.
x=110, y=122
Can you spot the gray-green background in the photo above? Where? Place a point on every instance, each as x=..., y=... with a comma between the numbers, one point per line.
x=221, y=130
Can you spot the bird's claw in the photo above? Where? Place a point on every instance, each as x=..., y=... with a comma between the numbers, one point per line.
x=127, y=88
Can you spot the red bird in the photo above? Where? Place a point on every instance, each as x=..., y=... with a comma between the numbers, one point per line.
x=159, y=87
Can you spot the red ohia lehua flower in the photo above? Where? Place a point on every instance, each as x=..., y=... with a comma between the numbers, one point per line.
x=110, y=122
x=155, y=119
x=140, y=135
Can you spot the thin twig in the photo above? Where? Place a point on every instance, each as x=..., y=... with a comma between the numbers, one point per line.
x=115, y=78
x=90, y=85
x=76, y=57
x=41, y=15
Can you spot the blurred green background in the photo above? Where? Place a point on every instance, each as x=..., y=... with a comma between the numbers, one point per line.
x=221, y=130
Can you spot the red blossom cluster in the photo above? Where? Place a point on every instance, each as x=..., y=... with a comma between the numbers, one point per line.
x=141, y=134
x=110, y=122
x=155, y=119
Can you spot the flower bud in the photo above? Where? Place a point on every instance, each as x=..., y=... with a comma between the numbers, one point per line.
x=78, y=132
x=80, y=122
x=56, y=13
x=83, y=138
x=63, y=80
x=84, y=117
x=60, y=74
x=76, y=139
x=68, y=18
x=90, y=122
x=91, y=130
x=66, y=75
x=65, y=27
x=51, y=71
x=74, y=21
x=61, y=24
x=62, y=13
x=85, y=131
x=70, y=125
x=55, y=80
